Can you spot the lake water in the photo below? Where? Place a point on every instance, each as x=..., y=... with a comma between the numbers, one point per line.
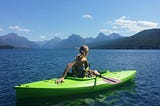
x=23, y=66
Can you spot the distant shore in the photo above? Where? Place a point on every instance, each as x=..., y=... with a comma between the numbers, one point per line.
x=6, y=47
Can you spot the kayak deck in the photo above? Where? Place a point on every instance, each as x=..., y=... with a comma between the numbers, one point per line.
x=72, y=85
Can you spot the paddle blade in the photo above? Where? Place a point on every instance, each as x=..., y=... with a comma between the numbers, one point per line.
x=111, y=80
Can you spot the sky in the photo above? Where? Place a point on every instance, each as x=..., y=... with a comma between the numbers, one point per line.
x=40, y=20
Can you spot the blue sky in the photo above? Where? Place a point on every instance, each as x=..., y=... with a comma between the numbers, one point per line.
x=46, y=19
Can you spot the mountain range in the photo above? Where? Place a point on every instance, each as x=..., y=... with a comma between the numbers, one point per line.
x=147, y=39
x=73, y=41
x=16, y=41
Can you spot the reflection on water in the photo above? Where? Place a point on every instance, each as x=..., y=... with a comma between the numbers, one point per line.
x=102, y=98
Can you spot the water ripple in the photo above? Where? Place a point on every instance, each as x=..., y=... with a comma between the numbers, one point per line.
x=22, y=66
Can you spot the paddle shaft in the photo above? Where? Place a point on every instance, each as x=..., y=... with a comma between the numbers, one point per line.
x=110, y=80
x=107, y=79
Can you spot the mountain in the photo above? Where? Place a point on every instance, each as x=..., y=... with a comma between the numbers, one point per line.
x=12, y=39
x=41, y=43
x=103, y=37
x=75, y=41
x=51, y=44
x=147, y=39
x=71, y=42
x=114, y=36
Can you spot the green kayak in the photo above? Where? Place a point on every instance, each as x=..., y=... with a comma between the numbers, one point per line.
x=72, y=85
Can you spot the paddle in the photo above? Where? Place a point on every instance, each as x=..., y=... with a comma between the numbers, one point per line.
x=110, y=80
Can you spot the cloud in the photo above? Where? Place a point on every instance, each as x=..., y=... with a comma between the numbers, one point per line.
x=18, y=28
x=1, y=29
x=56, y=34
x=105, y=31
x=133, y=25
x=108, y=31
x=87, y=16
x=42, y=37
